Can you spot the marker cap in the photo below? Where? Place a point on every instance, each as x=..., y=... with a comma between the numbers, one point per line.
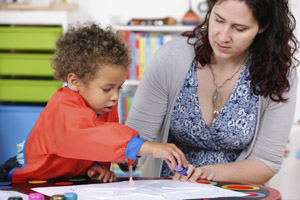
x=70, y=196
x=15, y=198
x=36, y=196
x=58, y=197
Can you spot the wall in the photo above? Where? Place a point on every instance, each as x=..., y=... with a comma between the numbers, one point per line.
x=113, y=11
x=295, y=9
x=107, y=11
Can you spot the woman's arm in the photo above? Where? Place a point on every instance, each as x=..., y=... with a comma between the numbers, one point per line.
x=247, y=171
x=266, y=155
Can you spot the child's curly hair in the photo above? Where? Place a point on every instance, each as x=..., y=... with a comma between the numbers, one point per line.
x=84, y=49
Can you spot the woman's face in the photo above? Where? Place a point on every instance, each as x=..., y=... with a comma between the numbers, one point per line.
x=232, y=28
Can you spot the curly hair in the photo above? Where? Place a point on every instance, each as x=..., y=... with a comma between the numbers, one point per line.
x=85, y=49
x=273, y=51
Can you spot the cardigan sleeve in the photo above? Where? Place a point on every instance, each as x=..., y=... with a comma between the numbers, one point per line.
x=274, y=128
x=150, y=102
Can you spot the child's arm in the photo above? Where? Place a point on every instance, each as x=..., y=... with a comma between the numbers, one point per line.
x=169, y=152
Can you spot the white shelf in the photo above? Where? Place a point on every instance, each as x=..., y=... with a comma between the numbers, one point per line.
x=164, y=28
x=131, y=83
x=38, y=17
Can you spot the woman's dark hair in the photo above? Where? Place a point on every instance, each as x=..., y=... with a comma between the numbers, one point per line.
x=273, y=51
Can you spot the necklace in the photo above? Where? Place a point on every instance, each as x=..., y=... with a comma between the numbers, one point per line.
x=216, y=92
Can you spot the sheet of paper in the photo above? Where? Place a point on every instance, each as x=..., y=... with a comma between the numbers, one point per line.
x=142, y=189
x=5, y=194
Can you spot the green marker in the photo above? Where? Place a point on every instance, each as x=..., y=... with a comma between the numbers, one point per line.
x=15, y=198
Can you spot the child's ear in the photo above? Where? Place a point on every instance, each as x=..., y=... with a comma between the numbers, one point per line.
x=73, y=81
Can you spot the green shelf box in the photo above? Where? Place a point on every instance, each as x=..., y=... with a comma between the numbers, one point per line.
x=29, y=38
x=39, y=91
x=25, y=64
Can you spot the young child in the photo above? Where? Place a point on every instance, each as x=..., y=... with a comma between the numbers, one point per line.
x=79, y=125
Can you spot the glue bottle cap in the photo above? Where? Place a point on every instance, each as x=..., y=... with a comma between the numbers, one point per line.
x=15, y=198
x=58, y=197
x=70, y=196
x=36, y=196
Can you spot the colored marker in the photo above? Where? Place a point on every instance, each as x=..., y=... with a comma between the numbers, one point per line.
x=36, y=196
x=15, y=198
x=70, y=196
x=130, y=171
x=182, y=170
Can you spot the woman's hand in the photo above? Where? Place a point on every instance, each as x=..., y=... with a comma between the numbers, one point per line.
x=195, y=174
x=101, y=173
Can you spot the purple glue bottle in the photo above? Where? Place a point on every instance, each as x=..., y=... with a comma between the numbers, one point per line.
x=182, y=170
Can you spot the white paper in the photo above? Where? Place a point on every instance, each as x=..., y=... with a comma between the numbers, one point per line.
x=142, y=189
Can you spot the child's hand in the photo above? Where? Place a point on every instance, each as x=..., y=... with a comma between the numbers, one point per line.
x=101, y=173
x=168, y=152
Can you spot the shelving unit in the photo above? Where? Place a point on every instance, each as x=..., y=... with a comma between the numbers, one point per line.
x=164, y=29
x=144, y=41
x=40, y=18
x=27, y=43
x=130, y=86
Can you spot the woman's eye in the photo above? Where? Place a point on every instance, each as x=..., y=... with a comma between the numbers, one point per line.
x=239, y=29
x=219, y=21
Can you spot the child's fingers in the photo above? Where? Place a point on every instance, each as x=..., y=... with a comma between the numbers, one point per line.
x=170, y=164
x=91, y=173
x=112, y=177
x=173, y=162
x=180, y=158
x=106, y=176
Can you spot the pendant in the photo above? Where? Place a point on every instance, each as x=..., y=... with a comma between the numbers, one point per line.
x=216, y=102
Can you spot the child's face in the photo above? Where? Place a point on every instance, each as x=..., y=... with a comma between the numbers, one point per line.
x=102, y=93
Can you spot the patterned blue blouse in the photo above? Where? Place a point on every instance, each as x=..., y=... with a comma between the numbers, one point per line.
x=230, y=132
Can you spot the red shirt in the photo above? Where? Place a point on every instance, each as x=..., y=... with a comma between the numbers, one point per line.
x=68, y=138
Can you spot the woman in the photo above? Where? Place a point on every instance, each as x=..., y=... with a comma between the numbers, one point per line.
x=225, y=94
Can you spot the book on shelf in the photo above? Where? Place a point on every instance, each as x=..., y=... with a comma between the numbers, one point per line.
x=142, y=54
x=124, y=104
x=126, y=36
x=137, y=54
x=132, y=46
x=143, y=46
